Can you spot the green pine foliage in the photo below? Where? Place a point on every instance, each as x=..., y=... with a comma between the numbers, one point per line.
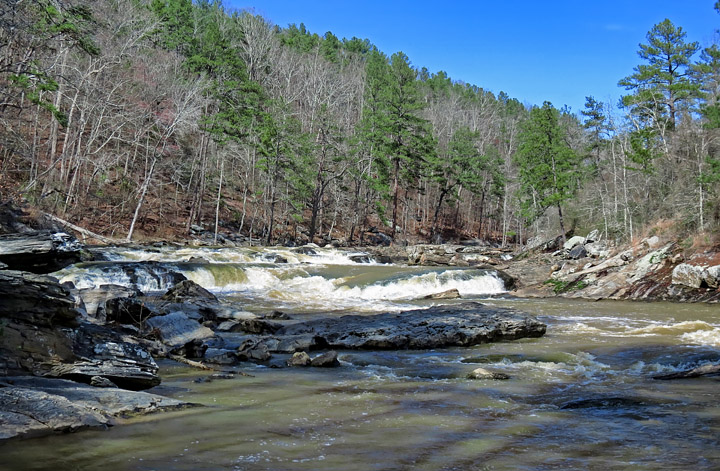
x=549, y=169
x=661, y=86
x=287, y=135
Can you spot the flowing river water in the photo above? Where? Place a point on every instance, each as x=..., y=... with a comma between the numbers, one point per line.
x=581, y=397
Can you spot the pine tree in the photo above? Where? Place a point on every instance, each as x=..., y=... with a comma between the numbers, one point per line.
x=662, y=87
x=548, y=167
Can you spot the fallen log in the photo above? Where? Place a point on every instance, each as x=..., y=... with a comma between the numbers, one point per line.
x=85, y=232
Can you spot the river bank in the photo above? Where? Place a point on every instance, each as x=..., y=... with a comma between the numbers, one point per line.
x=100, y=304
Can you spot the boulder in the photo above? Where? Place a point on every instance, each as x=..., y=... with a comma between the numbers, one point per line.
x=94, y=299
x=130, y=311
x=188, y=290
x=688, y=275
x=361, y=258
x=39, y=252
x=594, y=236
x=220, y=356
x=651, y=242
x=253, y=350
x=577, y=252
x=482, y=373
x=712, y=276
x=177, y=329
x=573, y=241
x=308, y=249
x=597, y=249
x=326, y=360
x=258, y=326
x=299, y=359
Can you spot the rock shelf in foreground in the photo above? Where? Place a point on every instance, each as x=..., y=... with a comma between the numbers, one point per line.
x=32, y=406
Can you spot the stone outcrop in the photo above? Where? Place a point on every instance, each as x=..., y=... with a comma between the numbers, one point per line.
x=39, y=252
x=441, y=326
x=696, y=276
x=44, y=334
x=101, y=352
x=649, y=271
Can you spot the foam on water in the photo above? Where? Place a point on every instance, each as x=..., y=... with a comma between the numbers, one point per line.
x=296, y=285
x=313, y=255
x=672, y=329
x=709, y=337
x=144, y=277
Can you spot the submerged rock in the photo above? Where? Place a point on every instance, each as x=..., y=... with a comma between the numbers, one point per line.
x=299, y=359
x=704, y=370
x=482, y=373
x=326, y=360
x=606, y=403
x=449, y=294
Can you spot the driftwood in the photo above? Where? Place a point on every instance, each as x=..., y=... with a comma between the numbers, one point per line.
x=705, y=370
x=85, y=232
x=194, y=364
x=202, y=366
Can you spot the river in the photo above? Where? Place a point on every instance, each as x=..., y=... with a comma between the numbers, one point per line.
x=581, y=397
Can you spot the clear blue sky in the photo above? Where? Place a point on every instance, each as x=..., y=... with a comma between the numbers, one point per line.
x=559, y=51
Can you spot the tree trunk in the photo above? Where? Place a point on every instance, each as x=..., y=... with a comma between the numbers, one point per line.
x=143, y=192
x=562, y=224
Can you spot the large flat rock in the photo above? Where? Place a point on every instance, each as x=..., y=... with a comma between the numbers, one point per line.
x=31, y=406
x=463, y=325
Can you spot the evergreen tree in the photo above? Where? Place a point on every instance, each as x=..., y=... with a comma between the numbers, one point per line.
x=465, y=166
x=597, y=125
x=662, y=87
x=548, y=167
x=410, y=140
x=371, y=137
x=176, y=24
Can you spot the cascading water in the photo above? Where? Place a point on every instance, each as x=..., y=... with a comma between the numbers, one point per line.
x=321, y=279
x=581, y=397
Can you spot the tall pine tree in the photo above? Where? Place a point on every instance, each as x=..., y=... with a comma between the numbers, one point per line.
x=549, y=168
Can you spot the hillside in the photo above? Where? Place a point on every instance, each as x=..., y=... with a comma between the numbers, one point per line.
x=169, y=119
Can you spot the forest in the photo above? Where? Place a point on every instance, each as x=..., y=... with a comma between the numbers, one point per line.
x=144, y=119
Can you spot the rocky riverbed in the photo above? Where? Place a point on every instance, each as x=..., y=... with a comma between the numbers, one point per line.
x=76, y=357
